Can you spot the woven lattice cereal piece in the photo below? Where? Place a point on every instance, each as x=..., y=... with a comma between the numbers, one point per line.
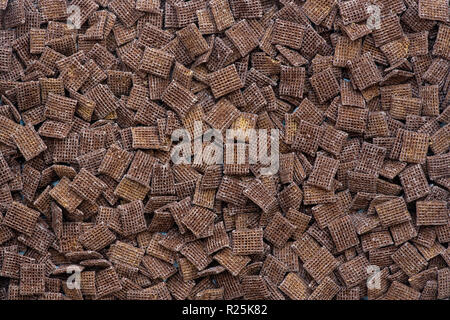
x=292, y=80
x=107, y=282
x=87, y=284
x=414, y=182
x=254, y=287
x=162, y=181
x=21, y=218
x=257, y=193
x=350, y=96
x=233, y=263
x=434, y=10
x=437, y=166
x=32, y=278
x=154, y=37
x=243, y=37
x=400, y=291
x=222, y=14
x=346, y=50
x=324, y=170
x=327, y=212
x=353, y=11
x=222, y=115
x=121, y=252
x=409, y=259
x=299, y=220
x=104, y=99
x=218, y=240
x=157, y=62
x=321, y=264
x=290, y=197
x=87, y=186
x=390, y=30
x=63, y=194
x=178, y=98
x=443, y=283
x=441, y=46
x=206, y=24
x=145, y=138
x=31, y=178
x=317, y=10
x=355, y=271
x=29, y=142
x=307, y=137
x=115, y=162
x=439, y=140
x=196, y=254
x=364, y=71
x=125, y=11
x=66, y=150
x=403, y=232
x=414, y=147
x=91, y=160
x=287, y=33
x=430, y=100
x=273, y=269
x=279, y=230
x=141, y=168
x=352, y=119
x=96, y=238
x=5, y=58
x=193, y=40
x=132, y=217
x=332, y=140
x=431, y=213
x=295, y=287
x=54, y=129
x=231, y=191
x=326, y=290
x=393, y=212
x=224, y=81
x=343, y=233
x=401, y=107
x=247, y=241
x=198, y=220
x=370, y=159
x=435, y=74
x=5, y=171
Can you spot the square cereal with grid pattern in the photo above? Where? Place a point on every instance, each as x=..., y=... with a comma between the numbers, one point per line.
x=243, y=37
x=292, y=81
x=29, y=142
x=431, y=213
x=414, y=147
x=279, y=230
x=287, y=33
x=224, y=81
x=434, y=10
x=323, y=172
x=393, y=212
x=343, y=233
x=321, y=264
x=21, y=218
x=414, y=183
x=59, y=108
x=132, y=217
x=179, y=98
x=87, y=186
x=364, y=71
x=157, y=62
x=32, y=278
x=247, y=241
